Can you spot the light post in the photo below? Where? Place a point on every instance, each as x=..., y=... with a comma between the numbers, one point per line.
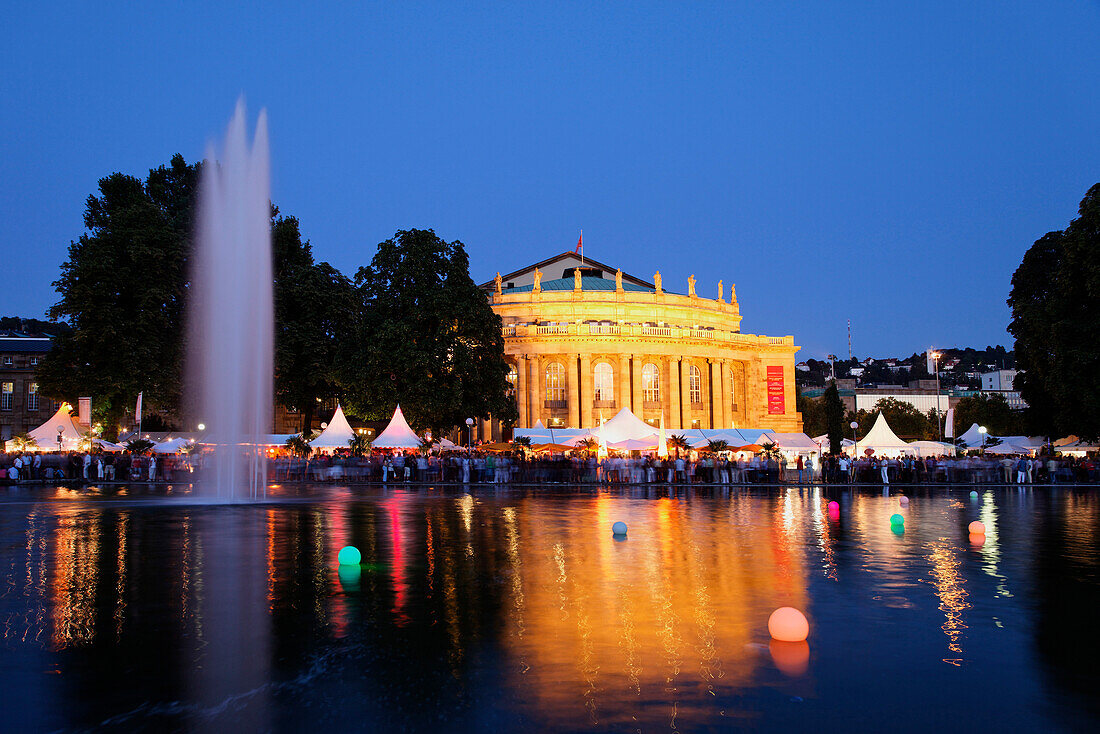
x=939, y=414
x=469, y=433
x=982, y=430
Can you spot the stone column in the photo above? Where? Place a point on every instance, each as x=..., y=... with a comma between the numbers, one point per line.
x=622, y=383
x=572, y=391
x=636, y=385
x=521, y=391
x=586, y=391
x=486, y=431
x=727, y=395
x=534, y=410
x=685, y=394
x=715, y=394
x=674, y=392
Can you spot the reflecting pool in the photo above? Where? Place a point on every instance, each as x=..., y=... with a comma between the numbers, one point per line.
x=516, y=610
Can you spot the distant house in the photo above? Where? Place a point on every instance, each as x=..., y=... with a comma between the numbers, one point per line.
x=21, y=406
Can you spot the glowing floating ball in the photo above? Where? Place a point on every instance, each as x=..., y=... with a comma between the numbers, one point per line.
x=973, y=494
x=903, y=500
x=977, y=539
x=349, y=576
x=898, y=530
x=619, y=528
x=834, y=506
x=349, y=555
x=977, y=528
x=897, y=519
x=787, y=624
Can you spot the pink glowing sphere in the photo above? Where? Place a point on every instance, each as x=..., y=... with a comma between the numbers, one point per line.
x=787, y=624
x=834, y=506
x=977, y=528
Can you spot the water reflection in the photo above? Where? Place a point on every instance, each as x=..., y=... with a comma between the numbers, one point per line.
x=516, y=603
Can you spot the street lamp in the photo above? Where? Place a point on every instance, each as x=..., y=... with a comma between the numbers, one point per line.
x=936, y=367
x=982, y=430
x=202, y=426
x=469, y=433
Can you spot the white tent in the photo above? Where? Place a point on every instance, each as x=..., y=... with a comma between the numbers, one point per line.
x=799, y=443
x=882, y=439
x=823, y=442
x=932, y=448
x=71, y=431
x=337, y=434
x=171, y=446
x=973, y=437
x=398, y=434
x=624, y=426
x=635, y=444
x=111, y=448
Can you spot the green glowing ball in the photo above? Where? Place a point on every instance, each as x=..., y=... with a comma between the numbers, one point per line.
x=619, y=528
x=897, y=519
x=973, y=494
x=349, y=556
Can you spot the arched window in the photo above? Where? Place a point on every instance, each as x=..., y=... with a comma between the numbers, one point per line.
x=603, y=378
x=555, y=381
x=695, y=385
x=651, y=384
x=513, y=375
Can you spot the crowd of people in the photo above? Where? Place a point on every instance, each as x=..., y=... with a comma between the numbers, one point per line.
x=88, y=467
x=586, y=468
x=579, y=468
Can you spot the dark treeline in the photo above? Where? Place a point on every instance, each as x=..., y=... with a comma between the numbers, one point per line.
x=410, y=327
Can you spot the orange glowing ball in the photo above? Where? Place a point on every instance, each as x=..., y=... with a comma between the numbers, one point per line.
x=787, y=624
x=977, y=528
x=978, y=540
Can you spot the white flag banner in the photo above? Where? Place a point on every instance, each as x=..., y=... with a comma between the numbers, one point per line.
x=949, y=424
x=137, y=411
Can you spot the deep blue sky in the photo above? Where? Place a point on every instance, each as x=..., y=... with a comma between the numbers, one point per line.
x=884, y=162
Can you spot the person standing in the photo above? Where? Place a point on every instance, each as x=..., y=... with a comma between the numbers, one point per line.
x=152, y=467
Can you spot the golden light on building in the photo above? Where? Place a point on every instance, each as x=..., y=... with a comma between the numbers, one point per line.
x=587, y=338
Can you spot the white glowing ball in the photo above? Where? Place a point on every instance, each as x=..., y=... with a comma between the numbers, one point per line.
x=903, y=500
x=977, y=528
x=787, y=624
x=619, y=528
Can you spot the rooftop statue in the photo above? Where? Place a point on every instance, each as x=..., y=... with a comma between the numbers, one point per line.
x=719, y=290
x=618, y=280
x=691, y=284
x=538, y=281
x=657, y=281
x=498, y=283
x=577, y=279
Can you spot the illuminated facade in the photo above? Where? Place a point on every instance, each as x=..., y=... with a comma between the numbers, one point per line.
x=585, y=340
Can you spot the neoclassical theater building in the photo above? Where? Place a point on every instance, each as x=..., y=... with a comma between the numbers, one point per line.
x=585, y=340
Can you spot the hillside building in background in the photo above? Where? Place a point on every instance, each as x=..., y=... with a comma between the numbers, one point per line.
x=22, y=407
x=585, y=340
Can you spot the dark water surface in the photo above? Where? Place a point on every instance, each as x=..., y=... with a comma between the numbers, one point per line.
x=515, y=610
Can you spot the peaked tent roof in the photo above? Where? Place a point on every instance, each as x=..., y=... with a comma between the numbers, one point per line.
x=625, y=425
x=71, y=431
x=973, y=437
x=881, y=438
x=337, y=434
x=398, y=434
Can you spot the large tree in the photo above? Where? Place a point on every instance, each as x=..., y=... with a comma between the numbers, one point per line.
x=991, y=411
x=425, y=337
x=314, y=302
x=1055, y=303
x=903, y=417
x=833, y=410
x=122, y=291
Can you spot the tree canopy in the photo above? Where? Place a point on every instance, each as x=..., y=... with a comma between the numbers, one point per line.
x=1055, y=301
x=424, y=336
x=122, y=291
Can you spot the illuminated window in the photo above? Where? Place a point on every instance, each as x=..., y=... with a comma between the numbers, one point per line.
x=604, y=378
x=651, y=384
x=6, y=391
x=555, y=381
x=695, y=385
x=32, y=396
x=512, y=377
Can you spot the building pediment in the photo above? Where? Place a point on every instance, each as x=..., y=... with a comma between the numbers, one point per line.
x=562, y=266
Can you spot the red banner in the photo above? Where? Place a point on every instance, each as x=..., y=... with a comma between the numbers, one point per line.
x=776, y=398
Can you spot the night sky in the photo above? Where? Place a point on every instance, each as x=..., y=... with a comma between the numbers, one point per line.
x=884, y=162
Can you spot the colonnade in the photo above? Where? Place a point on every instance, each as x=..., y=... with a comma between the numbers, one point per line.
x=722, y=390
